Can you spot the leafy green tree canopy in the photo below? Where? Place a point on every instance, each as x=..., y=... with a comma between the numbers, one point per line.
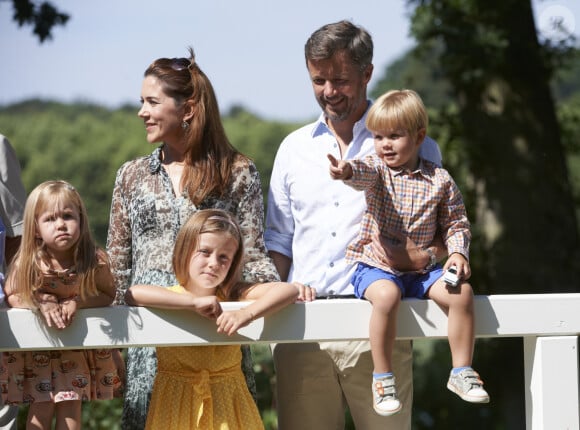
x=42, y=16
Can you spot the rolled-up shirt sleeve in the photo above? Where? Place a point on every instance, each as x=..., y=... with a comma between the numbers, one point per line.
x=279, y=232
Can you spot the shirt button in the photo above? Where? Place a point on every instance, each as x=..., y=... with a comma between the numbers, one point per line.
x=333, y=234
x=331, y=264
x=336, y=204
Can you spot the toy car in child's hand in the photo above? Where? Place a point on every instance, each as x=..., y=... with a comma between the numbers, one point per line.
x=450, y=277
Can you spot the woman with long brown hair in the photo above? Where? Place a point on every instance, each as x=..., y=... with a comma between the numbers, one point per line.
x=194, y=168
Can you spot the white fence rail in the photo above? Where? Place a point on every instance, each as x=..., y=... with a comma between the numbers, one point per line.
x=548, y=323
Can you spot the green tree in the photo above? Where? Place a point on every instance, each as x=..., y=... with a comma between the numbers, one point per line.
x=83, y=144
x=42, y=16
x=257, y=138
x=500, y=77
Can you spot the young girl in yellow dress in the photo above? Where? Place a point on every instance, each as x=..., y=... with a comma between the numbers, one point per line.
x=203, y=387
x=57, y=270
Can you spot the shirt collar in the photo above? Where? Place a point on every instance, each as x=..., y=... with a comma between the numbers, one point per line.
x=360, y=127
x=422, y=169
x=320, y=126
x=155, y=160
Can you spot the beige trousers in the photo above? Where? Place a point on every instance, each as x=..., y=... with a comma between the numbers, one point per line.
x=316, y=382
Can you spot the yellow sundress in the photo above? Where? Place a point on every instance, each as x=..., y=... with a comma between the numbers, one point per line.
x=201, y=387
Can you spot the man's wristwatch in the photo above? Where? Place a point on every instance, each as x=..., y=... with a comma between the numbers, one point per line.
x=432, y=259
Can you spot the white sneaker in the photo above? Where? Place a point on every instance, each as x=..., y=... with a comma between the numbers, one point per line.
x=385, y=400
x=468, y=385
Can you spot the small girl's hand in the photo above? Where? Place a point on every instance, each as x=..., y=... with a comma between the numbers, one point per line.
x=306, y=293
x=68, y=308
x=208, y=306
x=231, y=321
x=51, y=310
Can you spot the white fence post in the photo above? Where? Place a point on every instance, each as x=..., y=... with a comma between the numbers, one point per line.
x=551, y=374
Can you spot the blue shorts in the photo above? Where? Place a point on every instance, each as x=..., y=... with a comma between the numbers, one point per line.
x=411, y=284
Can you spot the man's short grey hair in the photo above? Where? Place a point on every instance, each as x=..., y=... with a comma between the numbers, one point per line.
x=340, y=36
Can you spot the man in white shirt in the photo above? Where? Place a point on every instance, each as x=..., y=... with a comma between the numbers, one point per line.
x=310, y=221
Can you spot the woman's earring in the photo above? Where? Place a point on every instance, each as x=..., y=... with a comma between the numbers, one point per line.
x=184, y=125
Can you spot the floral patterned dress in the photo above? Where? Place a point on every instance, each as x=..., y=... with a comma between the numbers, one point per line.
x=146, y=216
x=57, y=376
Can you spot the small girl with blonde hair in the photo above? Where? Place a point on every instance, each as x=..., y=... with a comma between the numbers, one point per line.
x=203, y=387
x=57, y=270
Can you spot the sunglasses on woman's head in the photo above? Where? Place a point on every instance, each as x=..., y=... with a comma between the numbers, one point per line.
x=180, y=64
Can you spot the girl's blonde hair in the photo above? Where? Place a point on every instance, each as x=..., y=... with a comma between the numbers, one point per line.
x=398, y=109
x=27, y=269
x=187, y=242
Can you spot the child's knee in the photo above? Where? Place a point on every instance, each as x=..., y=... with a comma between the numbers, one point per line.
x=464, y=296
x=383, y=294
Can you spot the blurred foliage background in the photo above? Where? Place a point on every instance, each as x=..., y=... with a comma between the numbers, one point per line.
x=504, y=107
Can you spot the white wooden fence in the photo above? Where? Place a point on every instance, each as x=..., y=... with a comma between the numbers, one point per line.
x=548, y=323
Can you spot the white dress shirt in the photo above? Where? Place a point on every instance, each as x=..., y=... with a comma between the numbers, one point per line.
x=311, y=218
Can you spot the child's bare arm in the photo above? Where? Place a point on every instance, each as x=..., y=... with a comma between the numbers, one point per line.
x=47, y=304
x=105, y=289
x=159, y=297
x=12, y=297
x=105, y=285
x=268, y=298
